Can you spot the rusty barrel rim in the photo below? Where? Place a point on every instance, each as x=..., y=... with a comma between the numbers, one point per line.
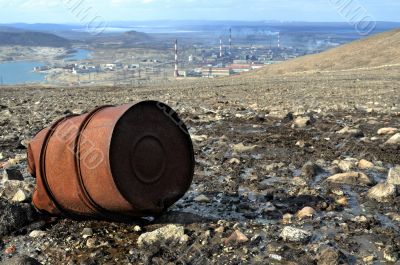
x=86, y=198
x=157, y=159
x=42, y=163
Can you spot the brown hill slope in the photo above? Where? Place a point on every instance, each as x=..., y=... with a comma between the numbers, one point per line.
x=378, y=50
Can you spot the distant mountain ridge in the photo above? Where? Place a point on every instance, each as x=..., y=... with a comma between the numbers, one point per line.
x=31, y=38
x=378, y=50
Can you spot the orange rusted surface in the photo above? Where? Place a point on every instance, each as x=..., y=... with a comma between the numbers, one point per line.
x=114, y=162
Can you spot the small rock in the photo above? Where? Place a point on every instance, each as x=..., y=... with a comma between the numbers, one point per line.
x=10, y=250
x=137, y=228
x=306, y=212
x=390, y=254
x=202, y=199
x=236, y=237
x=91, y=242
x=347, y=164
x=37, y=233
x=342, y=201
x=199, y=138
x=383, y=192
x=261, y=116
x=365, y=164
x=77, y=111
x=301, y=122
x=293, y=234
x=394, y=176
x=369, y=259
x=87, y=232
x=360, y=219
x=275, y=257
x=352, y=178
x=219, y=230
x=337, y=192
x=1, y=156
x=257, y=238
x=12, y=174
x=387, y=131
x=310, y=170
x=20, y=196
x=234, y=161
x=352, y=132
x=394, y=140
x=287, y=218
x=167, y=235
x=330, y=256
x=241, y=148
x=301, y=143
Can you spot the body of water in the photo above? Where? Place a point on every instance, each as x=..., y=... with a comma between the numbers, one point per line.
x=21, y=72
x=12, y=73
x=79, y=55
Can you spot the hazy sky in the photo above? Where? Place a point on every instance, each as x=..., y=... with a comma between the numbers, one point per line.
x=60, y=11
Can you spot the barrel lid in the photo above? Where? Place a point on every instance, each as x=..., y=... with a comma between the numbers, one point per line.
x=151, y=157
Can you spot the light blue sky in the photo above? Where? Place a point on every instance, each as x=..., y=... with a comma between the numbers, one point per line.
x=60, y=11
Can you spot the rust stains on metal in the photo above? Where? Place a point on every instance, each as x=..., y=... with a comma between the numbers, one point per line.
x=114, y=162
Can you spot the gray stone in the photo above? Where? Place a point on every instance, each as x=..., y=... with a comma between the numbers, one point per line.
x=387, y=131
x=352, y=132
x=87, y=232
x=394, y=140
x=347, y=164
x=293, y=234
x=241, y=148
x=383, y=192
x=365, y=164
x=91, y=243
x=37, y=233
x=20, y=196
x=202, y=199
x=394, y=176
x=352, y=178
x=167, y=235
x=301, y=122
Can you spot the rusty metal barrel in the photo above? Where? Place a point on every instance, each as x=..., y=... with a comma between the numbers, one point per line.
x=115, y=162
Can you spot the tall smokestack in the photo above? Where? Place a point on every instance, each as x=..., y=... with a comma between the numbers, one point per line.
x=279, y=40
x=230, y=40
x=176, y=71
x=220, y=48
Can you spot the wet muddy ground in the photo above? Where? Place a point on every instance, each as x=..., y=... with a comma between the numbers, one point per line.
x=266, y=188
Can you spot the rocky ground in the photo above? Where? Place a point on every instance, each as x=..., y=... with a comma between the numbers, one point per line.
x=289, y=170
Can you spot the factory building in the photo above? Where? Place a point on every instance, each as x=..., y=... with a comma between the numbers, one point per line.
x=212, y=72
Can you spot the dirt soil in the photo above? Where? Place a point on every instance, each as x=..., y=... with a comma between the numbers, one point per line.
x=265, y=148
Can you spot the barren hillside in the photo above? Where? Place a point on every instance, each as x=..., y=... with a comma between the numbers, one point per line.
x=378, y=50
